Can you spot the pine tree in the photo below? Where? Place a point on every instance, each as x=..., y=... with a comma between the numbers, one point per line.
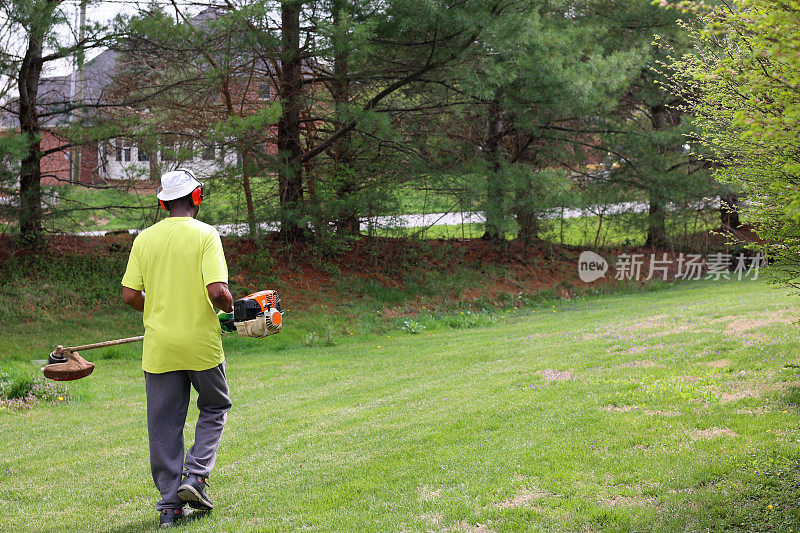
x=649, y=129
x=533, y=82
x=38, y=21
x=347, y=71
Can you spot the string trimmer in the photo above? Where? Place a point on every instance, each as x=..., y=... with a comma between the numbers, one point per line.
x=66, y=364
x=256, y=315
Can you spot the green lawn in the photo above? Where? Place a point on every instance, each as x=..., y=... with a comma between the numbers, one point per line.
x=630, y=229
x=669, y=410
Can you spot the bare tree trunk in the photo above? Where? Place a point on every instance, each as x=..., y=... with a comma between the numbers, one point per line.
x=313, y=200
x=248, y=161
x=247, y=170
x=77, y=150
x=495, y=189
x=153, y=168
x=290, y=173
x=599, y=229
x=658, y=116
x=30, y=177
x=527, y=217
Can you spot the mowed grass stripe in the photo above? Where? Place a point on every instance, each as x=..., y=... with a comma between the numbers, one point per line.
x=667, y=410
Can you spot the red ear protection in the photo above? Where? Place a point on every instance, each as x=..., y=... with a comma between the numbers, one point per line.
x=197, y=195
x=160, y=201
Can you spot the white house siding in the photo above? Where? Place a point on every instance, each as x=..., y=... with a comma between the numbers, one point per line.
x=119, y=159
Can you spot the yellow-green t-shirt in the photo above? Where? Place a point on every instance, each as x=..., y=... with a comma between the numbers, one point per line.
x=173, y=261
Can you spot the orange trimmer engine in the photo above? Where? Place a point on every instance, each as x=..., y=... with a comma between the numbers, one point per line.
x=258, y=314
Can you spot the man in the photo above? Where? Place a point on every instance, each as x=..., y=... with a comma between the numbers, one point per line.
x=176, y=274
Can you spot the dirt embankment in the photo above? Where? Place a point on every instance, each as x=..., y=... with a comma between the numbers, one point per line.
x=400, y=273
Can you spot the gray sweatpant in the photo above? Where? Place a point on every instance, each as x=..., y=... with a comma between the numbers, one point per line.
x=167, y=404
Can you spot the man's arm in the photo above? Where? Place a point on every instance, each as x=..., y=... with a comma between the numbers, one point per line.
x=220, y=296
x=133, y=298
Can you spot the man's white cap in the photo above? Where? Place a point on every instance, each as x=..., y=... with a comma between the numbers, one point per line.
x=176, y=184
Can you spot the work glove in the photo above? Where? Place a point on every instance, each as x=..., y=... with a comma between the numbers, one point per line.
x=226, y=321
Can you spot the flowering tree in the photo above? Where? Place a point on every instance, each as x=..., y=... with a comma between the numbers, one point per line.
x=741, y=80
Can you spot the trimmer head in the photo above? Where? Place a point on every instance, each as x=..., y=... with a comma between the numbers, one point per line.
x=65, y=365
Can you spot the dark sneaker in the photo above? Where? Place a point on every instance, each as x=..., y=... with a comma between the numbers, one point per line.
x=194, y=491
x=170, y=517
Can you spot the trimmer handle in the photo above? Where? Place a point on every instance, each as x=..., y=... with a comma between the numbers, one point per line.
x=104, y=344
x=57, y=355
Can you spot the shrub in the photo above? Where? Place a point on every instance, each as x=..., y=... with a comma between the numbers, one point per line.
x=14, y=386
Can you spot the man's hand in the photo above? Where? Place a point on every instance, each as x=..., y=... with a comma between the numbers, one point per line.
x=220, y=296
x=133, y=298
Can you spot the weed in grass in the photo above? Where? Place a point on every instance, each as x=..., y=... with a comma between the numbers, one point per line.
x=412, y=327
x=28, y=401
x=50, y=391
x=117, y=352
x=414, y=285
x=311, y=339
x=329, y=337
x=370, y=288
x=22, y=391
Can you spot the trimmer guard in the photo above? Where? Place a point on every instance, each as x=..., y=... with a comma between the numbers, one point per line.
x=75, y=366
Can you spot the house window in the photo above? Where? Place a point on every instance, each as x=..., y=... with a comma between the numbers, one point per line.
x=141, y=153
x=123, y=150
x=265, y=91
